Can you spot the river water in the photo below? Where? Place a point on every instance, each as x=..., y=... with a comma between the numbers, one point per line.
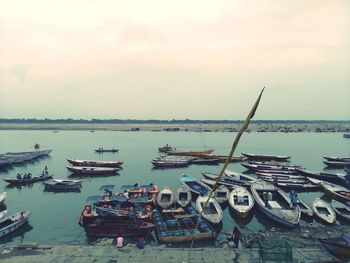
x=54, y=216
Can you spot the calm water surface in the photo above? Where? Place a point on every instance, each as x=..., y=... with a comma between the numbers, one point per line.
x=54, y=215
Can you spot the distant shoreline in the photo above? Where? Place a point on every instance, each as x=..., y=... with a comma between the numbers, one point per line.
x=184, y=127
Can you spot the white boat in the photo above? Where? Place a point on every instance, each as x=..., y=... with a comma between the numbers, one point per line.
x=67, y=181
x=165, y=198
x=221, y=194
x=183, y=196
x=324, y=211
x=3, y=197
x=278, y=206
x=2, y=214
x=212, y=211
x=10, y=224
x=342, y=210
x=241, y=201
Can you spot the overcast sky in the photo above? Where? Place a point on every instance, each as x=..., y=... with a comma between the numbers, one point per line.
x=174, y=59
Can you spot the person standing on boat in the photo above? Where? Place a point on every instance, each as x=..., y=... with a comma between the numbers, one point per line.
x=236, y=236
x=275, y=182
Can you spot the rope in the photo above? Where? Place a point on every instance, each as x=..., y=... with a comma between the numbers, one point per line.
x=228, y=160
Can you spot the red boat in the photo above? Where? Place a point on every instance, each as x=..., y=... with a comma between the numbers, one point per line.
x=92, y=170
x=94, y=163
x=102, y=227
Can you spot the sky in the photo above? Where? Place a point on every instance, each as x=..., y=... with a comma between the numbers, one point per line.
x=160, y=59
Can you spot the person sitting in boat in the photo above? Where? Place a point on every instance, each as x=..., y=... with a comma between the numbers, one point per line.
x=29, y=176
x=25, y=176
x=120, y=242
x=266, y=198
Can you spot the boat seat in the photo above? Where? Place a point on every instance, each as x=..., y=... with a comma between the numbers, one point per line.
x=273, y=205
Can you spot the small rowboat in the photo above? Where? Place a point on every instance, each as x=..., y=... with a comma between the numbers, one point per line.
x=337, y=164
x=323, y=211
x=212, y=212
x=264, y=157
x=31, y=180
x=67, y=181
x=101, y=150
x=196, y=186
x=241, y=201
x=165, y=198
x=342, y=210
x=92, y=170
x=337, y=159
x=221, y=194
x=90, y=163
x=10, y=224
x=338, y=246
x=278, y=206
x=62, y=187
x=2, y=214
x=183, y=196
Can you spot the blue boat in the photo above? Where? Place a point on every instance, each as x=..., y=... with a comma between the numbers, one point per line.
x=196, y=186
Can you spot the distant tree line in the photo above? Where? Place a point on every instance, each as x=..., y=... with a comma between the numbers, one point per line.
x=173, y=121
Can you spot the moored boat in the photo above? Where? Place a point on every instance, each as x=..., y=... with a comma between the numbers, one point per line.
x=255, y=167
x=170, y=163
x=323, y=211
x=92, y=170
x=275, y=204
x=61, y=186
x=241, y=201
x=207, y=161
x=221, y=194
x=335, y=191
x=31, y=180
x=166, y=148
x=190, y=153
x=182, y=226
x=264, y=157
x=183, y=196
x=338, y=246
x=337, y=159
x=231, y=179
x=196, y=187
x=67, y=181
x=342, y=210
x=337, y=164
x=211, y=210
x=2, y=197
x=10, y=224
x=329, y=177
x=89, y=163
x=165, y=197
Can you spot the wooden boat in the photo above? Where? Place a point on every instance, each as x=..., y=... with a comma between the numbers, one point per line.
x=346, y=135
x=273, y=164
x=338, y=246
x=207, y=161
x=195, y=185
x=285, y=172
x=2, y=214
x=342, y=210
x=10, y=224
x=60, y=186
x=183, y=196
x=221, y=194
x=2, y=197
x=92, y=170
x=278, y=207
x=337, y=159
x=231, y=179
x=338, y=164
x=103, y=227
x=31, y=180
x=281, y=176
x=241, y=201
x=323, y=211
x=190, y=153
x=255, y=167
x=263, y=157
x=223, y=158
x=329, y=177
x=170, y=164
x=89, y=163
x=165, y=198
x=305, y=209
x=212, y=212
x=67, y=181
x=335, y=191
x=101, y=150
x=181, y=226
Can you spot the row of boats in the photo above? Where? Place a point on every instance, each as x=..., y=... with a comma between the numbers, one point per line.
x=91, y=167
